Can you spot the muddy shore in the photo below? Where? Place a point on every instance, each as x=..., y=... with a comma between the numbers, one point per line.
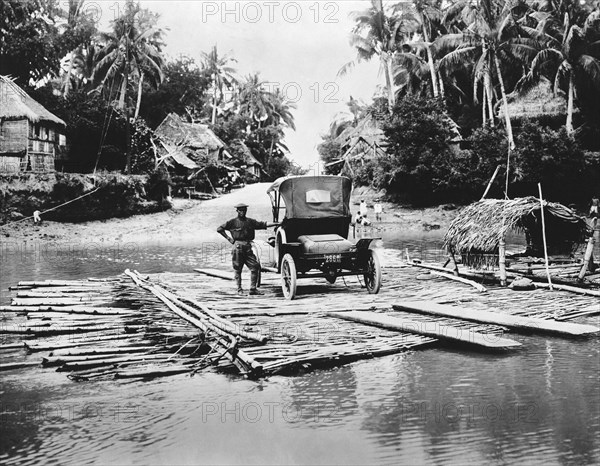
x=191, y=220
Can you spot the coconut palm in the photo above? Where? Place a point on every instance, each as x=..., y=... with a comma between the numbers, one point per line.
x=133, y=48
x=254, y=100
x=424, y=16
x=377, y=33
x=492, y=41
x=77, y=37
x=571, y=55
x=222, y=75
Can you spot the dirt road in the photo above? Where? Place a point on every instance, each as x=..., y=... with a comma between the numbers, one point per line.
x=192, y=220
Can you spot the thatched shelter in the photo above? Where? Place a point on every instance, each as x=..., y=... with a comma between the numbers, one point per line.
x=30, y=136
x=195, y=139
x=476, y=232
x=538, y=102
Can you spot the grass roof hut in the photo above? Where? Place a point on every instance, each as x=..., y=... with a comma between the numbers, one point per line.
x=539, y=102
x=476, y=232
x=30, y=135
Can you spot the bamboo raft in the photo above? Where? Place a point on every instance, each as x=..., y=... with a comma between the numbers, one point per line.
x=135, y=326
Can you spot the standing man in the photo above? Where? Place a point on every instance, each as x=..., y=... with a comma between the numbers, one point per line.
x=242, y=229
x=378, y=210
x=363, y=208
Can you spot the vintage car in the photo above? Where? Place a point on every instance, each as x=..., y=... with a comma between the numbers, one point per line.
x=312, y=239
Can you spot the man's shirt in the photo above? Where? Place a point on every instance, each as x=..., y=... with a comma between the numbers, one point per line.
x=242, y=230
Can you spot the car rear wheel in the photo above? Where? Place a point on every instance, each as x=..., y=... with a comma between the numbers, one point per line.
x=372, y=274
x=288, y=277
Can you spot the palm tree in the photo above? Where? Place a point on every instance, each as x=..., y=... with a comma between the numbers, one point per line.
x=424, y=14
x=492, y=40
x=254, y=100
x=78, y=34
x=132, y=48
x=571, y=55
x=222, y=75
x=377, y=34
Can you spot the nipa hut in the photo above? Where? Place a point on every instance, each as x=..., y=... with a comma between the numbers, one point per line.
x=476, y=232
x=538, y=102
x=30, y=136
x=194, y=139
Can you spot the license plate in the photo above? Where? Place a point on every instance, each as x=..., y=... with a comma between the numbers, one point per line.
x=333, y=258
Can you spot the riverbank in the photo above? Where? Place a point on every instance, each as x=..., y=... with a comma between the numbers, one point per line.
x=76, y=197
x=190, y=220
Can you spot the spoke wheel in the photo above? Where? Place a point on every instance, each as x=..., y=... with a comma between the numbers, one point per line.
x=288, y=277
x=372, y=274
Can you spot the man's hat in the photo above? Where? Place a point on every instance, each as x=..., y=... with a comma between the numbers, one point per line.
x=241, y=206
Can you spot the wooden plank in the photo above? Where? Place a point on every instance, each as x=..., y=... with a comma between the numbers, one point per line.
x=215, y=273
x=430, y=329
x=516, y=322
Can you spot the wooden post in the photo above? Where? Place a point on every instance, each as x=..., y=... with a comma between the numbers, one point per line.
x=544, y=235
x=502, y=261
x=586, y=260
x=455, y=264
x=491, y=181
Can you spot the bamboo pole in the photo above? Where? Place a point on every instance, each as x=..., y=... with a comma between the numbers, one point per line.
x=475, y=285
x=489, y=185
x=502, y=261
x=544, y=235
x=586, y=260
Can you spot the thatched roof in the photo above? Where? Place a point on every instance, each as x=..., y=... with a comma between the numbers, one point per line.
x=196, y=136
x=17, y=104
x=174, y=155
x=367, y=129
x=539, y=101
x=481, y=225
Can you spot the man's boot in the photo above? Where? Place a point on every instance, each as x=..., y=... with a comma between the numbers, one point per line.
x=253, y=282
x=238, y=280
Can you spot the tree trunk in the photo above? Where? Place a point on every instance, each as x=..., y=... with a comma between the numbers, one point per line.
x=387, y=59
x=488, y=96
x=125, y=108
x=569, y=123
x=122, y=92
x=139, y=96
x=67, y=84
x=483, y=107
x=441, y=83
x=509, y=133
x=214, y=109
x=434, y=83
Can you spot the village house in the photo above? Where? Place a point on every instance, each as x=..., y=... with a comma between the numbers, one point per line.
x=194, y=140
x=30, y=136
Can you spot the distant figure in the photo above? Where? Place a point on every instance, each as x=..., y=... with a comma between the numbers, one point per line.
x=365, y=221
x=378, y=210
x=36, y=217
x=363, y=207
x=358, y=218
x=594, y=211
x=594, y=207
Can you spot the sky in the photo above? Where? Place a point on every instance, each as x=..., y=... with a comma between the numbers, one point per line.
x=299, y=46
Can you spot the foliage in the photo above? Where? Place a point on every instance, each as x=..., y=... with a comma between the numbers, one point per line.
x=552, y=158
x=182, y=92
x=329, y=150
x=29, y=39
x=418, y=133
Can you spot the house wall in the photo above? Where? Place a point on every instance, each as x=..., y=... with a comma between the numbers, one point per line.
x=43, y=138
x=10, y=163
x=13, y=136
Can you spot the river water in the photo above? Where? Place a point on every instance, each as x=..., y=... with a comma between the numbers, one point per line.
x=539, y=405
